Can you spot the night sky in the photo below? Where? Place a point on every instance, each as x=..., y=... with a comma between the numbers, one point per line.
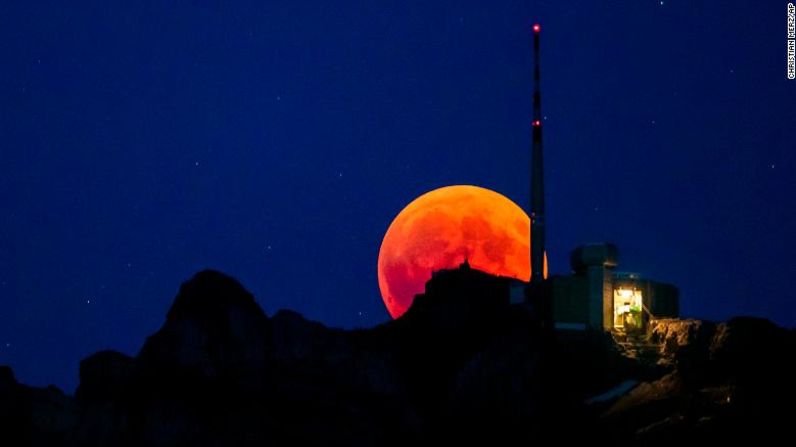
x=143, y=141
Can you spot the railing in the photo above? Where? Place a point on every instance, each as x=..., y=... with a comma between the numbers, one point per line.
x=647, y=311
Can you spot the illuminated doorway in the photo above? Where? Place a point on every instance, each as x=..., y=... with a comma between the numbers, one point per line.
x=627, y=308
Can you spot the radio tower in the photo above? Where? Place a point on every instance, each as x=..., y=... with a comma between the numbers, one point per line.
x=537, y=172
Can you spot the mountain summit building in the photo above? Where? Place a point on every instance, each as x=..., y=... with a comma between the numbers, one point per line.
x=595, y=295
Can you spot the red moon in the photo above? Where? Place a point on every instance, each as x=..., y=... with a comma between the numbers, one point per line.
x=442, y=228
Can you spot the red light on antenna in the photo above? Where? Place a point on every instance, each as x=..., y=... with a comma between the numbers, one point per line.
x=536, y=123
x=537, y=27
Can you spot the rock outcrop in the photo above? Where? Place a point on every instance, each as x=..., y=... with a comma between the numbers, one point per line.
x=730, y=380
x=214, y=331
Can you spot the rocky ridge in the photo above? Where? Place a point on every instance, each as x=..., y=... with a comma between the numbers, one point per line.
x=455, y=368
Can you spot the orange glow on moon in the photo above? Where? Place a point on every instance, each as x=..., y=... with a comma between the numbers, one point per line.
x=441, y=228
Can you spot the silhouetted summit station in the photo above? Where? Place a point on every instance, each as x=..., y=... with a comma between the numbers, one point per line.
x=461, y=294
x=594, y=296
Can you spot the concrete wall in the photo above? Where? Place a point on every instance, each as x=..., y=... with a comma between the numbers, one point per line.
x=589, y=298
x=570, y=295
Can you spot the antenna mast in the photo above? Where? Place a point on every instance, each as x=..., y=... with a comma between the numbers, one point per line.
x=537, y=171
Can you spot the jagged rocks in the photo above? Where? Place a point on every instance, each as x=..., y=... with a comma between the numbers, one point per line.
x=104, y=376
x=731, y=380
x=7, y=379
x=458, y=367
x=34, y=416
x=214, y=331
x=743, y=347
x=674, y=334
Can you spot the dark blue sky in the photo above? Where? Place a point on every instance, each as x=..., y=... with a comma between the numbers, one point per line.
x=143, y=141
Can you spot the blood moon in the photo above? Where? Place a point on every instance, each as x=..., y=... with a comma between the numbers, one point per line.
x=442, y=228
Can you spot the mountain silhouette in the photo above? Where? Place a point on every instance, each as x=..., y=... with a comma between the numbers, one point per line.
x=462, y=365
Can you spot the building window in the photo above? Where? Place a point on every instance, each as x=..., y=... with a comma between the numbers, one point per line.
x=627, y=308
